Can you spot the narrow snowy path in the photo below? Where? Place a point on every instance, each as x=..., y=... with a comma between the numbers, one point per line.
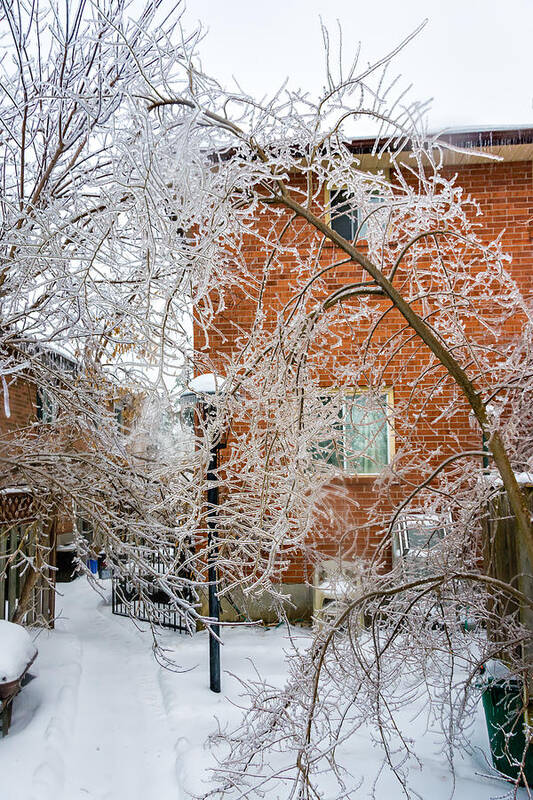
x=121, y=743
x=103, y=721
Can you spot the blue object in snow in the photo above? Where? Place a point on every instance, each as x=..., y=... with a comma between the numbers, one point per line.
x=92, y=563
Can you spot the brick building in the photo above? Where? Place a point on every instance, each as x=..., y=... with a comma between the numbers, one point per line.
x=504, y=191
x=25, y=510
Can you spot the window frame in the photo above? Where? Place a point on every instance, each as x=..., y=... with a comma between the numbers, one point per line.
x=387, y=392
x=404, y=552
x=329, y=191
x=118, y=413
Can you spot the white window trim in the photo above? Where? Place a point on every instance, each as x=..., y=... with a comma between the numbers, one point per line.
x=391, y=443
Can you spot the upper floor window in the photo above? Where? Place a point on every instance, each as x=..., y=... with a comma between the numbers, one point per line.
x=46, y=405
x=60, y=368
x=344, y=215
x=348, y=220
x=363, y=440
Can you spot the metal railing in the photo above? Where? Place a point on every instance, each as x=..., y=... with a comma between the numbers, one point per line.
x=136, y=592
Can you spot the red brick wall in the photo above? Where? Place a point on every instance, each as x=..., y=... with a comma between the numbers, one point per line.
x=505, y=193
x=22, y=407
x=22, y=419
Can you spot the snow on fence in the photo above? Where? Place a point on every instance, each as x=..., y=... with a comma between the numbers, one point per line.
x=27, y=559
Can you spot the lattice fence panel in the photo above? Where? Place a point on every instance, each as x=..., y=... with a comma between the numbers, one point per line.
x=27, y=545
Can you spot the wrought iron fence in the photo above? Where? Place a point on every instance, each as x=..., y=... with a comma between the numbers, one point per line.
x=136, y=593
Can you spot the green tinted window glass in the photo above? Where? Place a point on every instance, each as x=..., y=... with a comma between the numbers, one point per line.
x=366, y=433
x=46, y=406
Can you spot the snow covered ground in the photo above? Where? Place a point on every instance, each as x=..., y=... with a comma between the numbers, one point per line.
x=103, y=720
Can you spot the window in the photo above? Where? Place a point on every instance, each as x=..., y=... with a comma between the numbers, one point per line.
x=367, y=433
x=413, y=537
x=346, y=216
x=187, y=419
x=59, y=367
x=46, y=406
x=363, y=441
x=84, y=526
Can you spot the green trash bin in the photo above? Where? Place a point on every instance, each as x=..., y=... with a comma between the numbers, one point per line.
x=504, y=712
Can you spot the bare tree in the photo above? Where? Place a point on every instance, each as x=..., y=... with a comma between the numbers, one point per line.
x=141, y=199
x=252, y=184
x=81, y=302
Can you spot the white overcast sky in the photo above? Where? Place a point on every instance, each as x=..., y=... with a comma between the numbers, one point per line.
x=473, y=58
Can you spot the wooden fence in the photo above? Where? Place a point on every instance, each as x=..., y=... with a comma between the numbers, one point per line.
x=506, y=560
x=27, y=547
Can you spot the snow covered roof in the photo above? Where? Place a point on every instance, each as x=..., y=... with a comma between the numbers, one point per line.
x=207, y=384
x=54, y=351
x=464, y=137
